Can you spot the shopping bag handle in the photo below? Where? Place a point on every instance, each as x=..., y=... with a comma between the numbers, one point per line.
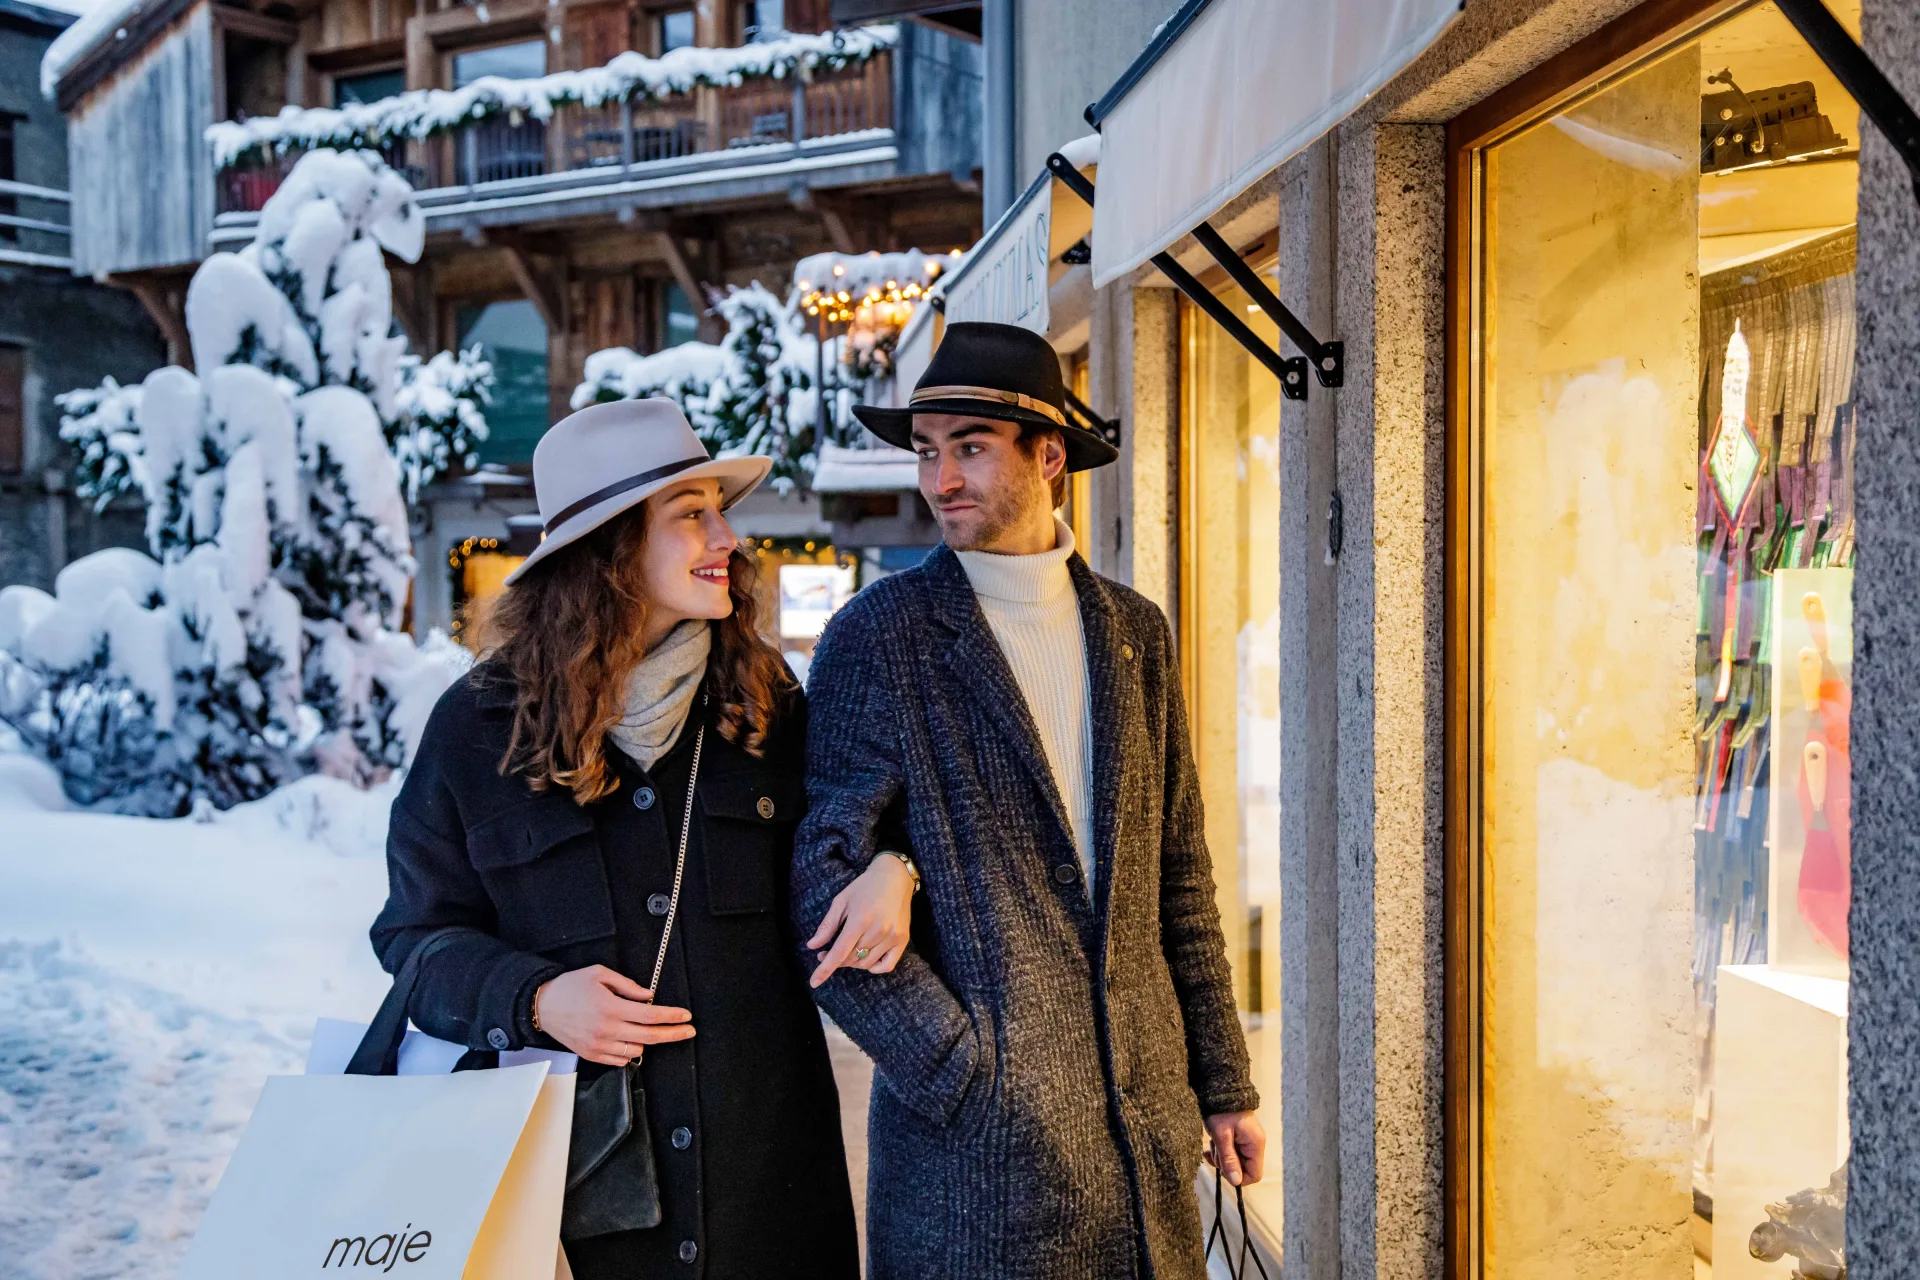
x=379, y=1051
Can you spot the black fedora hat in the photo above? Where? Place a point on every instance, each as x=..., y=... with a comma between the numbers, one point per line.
x=998, y=371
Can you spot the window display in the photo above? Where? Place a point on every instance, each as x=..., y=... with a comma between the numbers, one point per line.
x=1663, y=444
x=1229, y=505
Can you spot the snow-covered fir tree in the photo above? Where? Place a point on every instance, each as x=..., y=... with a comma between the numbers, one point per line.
x=753, y=392
x=258, y=641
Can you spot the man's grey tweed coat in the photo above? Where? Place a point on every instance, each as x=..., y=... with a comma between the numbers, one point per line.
x=1042, y=1064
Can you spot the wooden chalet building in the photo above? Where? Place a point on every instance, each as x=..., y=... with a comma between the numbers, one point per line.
x=610, y=225
x=547, y=240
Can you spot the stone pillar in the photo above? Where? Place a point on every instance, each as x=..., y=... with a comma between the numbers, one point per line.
x=1309, y=747
x=1392, y=475
x=1884, y=1027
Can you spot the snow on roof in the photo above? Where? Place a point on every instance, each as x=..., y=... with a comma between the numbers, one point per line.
x=861, y=274
x=78, y=40
x=881, y=469
x=629, y=77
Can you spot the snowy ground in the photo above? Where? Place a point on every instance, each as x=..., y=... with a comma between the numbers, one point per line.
x=152, y=975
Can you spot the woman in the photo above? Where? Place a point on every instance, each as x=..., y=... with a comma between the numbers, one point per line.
x=545, y=821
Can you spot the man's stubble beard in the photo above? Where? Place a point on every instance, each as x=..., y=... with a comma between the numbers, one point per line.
x=994, y=513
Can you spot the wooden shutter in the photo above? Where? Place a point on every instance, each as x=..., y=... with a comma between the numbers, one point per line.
x=13, y=410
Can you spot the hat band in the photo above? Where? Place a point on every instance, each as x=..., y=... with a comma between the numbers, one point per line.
x=1040, y=407
x=619, y=487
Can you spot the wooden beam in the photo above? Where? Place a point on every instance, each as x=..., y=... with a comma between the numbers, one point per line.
x=538, y=278
x=167, y=309
x=257, y=25
x=683, y=276
x=407, y=312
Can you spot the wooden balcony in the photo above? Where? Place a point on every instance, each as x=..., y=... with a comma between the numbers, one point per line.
x=619, y=142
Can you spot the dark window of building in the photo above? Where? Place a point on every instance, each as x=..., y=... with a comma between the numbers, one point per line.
x=762, y=20
x=256, y=76
x=13, y=410
x=676, y=30
x=513, y=337
x=9, y=204
x=368, y=86
x=679, y=321
x=523, y=61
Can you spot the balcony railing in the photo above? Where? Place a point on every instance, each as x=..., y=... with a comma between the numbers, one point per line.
x=29, y=234
x=615, y=138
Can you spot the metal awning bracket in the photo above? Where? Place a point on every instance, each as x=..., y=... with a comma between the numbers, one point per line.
x=1857, y=74
x=1326, y=359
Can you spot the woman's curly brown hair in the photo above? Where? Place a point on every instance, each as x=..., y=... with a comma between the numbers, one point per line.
x=568, y=634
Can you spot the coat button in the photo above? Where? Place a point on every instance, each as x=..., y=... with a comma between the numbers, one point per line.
x=659, y=904
x=682, y=1138
x=689, y=1251
x=497, y=1038
x=1126, y=651
x=765, y=807
x=1066, y=873
x=644, y=798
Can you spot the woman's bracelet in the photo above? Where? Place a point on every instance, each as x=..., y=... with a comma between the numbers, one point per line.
x=908, y=863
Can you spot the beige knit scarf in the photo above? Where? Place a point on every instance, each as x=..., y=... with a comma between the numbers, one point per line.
x=660, y=692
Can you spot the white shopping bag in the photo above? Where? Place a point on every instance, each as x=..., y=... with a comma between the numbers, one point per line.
x=431, y=1177
x=415, y=1172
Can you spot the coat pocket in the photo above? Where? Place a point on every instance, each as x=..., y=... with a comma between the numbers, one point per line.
x=748, y=839
x=541, y=865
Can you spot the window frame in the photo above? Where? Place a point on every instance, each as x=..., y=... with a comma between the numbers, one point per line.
x=1638, y=36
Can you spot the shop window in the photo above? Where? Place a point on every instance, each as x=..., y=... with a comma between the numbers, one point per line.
x=513, y=337
x=676, y=30
x=679, y=322
x=368, y=86
x=479, y=567
x=1229, y=595
x=1660, y=512
x=803, y=582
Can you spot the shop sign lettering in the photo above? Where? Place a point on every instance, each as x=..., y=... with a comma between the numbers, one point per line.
x=1006, y=280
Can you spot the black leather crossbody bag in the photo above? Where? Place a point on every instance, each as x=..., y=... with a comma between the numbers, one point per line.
x=612, y=1184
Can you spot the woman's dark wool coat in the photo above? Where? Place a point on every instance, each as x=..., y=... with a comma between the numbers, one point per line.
x=745, y=1116
x=1042, y=1061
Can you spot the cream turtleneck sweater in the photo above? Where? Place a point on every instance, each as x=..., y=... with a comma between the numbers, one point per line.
x=1030, y=605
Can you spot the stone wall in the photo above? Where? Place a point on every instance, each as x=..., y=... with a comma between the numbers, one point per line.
x=1884, y=1030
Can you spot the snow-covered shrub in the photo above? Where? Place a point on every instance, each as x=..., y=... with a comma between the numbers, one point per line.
x=100, y=423
x=258, y=641
x=442, y=421
x=753, y=392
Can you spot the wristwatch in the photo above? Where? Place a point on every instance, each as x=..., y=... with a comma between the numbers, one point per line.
x=908, y=863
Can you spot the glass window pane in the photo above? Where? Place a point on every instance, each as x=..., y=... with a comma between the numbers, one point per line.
x=682, y=322
x=763, y=20
x=1230, y=646
x=369, y=86
x=513, y=336
x=524, y=61
x=676, y=30
x=1666, y=426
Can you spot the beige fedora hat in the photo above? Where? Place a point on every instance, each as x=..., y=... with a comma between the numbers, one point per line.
x=607, y=458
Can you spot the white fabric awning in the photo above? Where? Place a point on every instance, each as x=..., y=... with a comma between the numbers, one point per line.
x=1230, y=91
x=1006, y=276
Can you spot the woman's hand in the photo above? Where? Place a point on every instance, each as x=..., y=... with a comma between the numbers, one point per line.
x=605, y=1017
x=873, y=916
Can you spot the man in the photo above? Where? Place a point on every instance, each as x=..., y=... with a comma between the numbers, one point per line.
x=1009, y=726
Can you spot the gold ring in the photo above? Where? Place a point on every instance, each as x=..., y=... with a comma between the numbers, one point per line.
x=861, y=953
